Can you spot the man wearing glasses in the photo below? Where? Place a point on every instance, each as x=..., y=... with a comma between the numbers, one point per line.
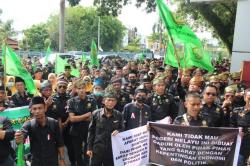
x=210, y=110
x=60, y=101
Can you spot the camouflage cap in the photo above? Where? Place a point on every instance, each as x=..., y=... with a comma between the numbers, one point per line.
x=236, y=75
x=159, y=80
x=229, y=89
x=110, y=92
x=196, y=80
x=214, y=78
x=79, y=83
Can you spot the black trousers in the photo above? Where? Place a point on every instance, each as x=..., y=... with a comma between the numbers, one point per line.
x=68, y=143
x=80, y=150
x=101, y=159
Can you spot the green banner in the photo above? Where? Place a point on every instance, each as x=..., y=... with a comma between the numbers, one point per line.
x=17, y=116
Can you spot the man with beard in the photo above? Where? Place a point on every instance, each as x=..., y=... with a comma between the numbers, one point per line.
x=80, y=108
x=104, y=122
x=136, y=114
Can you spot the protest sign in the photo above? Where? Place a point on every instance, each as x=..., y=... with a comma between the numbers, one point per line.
x=130, y=148
x=17, y=116
x=187, y=145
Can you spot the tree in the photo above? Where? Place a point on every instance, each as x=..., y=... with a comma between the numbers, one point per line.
x=219, y=16
x=35, y=36
x=6, y=29
x=81, y=26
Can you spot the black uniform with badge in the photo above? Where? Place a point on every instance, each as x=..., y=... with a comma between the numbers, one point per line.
x=21, y=100
x=52, y=111
x=122, y=99
x=79, y=130
x=162, y=106
x=99, y=136
x=240, y=117
x=188, y=120
x=134, y=116
x=214, y=115
x=44, y=141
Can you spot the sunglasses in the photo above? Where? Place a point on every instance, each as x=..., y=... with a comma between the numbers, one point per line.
x=227, y=96
x=236, y=79
x=212, y=94
x=61, y=86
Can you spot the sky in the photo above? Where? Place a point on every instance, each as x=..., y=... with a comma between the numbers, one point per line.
x=25, y=13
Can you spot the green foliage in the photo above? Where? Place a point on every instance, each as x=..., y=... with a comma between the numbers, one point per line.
x=36, y=36
x=134, y=46
x=6, y=29
x=81, y=26
x=218, y=16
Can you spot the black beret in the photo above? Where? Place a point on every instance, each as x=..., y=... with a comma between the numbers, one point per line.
x=19, y=79
x=36, y=100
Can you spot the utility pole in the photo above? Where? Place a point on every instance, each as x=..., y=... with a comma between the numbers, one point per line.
x=98, y=37
x=61, y=26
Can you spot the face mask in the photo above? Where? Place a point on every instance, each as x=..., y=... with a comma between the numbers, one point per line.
x=10, y=84
x=132, y=81
x=141, y=99
x=1, y=83
x=98, y=93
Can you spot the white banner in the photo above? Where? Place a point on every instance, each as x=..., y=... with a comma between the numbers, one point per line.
x=131, y=148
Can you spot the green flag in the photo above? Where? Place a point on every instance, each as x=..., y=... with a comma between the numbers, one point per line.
x=141, y=57
x=84, y=58
x=181, y=34
x=48, y=52
x=14, y=67
x=61, y=63
x=17, y=116
x=93, y=55
x=20, y=155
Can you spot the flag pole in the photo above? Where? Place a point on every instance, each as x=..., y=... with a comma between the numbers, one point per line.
x=4, y=62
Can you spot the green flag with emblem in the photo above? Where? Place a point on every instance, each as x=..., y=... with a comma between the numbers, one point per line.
x=192, y=52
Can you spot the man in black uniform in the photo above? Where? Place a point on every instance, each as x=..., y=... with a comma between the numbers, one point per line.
x=67, y=74
x=162, y=104
x=21, y=97
x=228, y=104
x=6, y=135
x=46, y=92
x=136, y=114
x=60, y=105
x=122, y=97
x=210, y=110
x=104, y=122
x=98, y=92
x=80, y=109
x=192, y=117
x=45, y=136
x=240, y=117
x=3, y=103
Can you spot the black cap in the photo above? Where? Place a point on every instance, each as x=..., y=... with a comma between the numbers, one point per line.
x=67, y=67
x=140, y=88
x=36, y=100
x=19, y=79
